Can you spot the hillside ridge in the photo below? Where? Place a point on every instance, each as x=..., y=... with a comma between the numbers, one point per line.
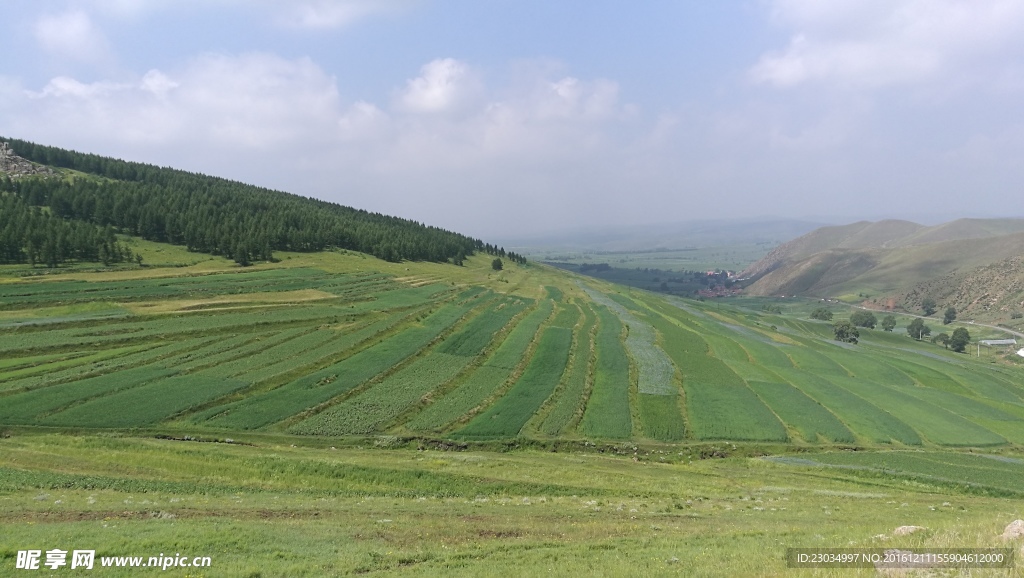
x=891, y=258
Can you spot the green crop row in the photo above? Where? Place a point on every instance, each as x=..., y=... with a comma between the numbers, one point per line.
x=809, y=418
x=719, y=403
x=486, y=379
x=263, y=409
x=569, y=402
x=939, y=425
x=510, y=413
x=108, y=361
x=654, y=369
x=958, y=468
x=96, y=334
x=384, y=401
x=366, y=412
x=146, y=404
x=660, y=418
x=607, y=414
x=481, y=329
x=240, y=347
x=275, y=280
x=860, y=415
x=29, y=407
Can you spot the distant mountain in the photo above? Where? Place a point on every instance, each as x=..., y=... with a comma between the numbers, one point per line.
x=899, y=260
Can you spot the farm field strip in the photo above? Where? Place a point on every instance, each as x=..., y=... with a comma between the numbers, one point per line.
x=146, y=404
x=385, y=400
x=262, y=409
x=368, y=411
x=264, y=353
x=654, y=369
x=273, y=280
x=809, y=418
x=176, y=326
x=983, y=384
x=719, y=403
x=209, y=350
x=110, y=362
x=507, y=416
x=607, y=414
x=485, y=380
x=239, y=346
x=30, y=407
x=304, y=350
x=12, y=364
x=570, y=401
x=860, y=415
x=961, y=469
x=798, y=411
x=478, y=333
x=939, y=425
x=61, y=362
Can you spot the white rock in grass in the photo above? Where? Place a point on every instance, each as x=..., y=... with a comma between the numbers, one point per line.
x=907, y=530
x=1014, y=530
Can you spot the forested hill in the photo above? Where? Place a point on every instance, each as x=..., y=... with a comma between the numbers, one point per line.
x=213, y=215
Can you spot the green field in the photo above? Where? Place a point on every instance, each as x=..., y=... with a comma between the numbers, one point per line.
x=334, y=344
x=585, y=411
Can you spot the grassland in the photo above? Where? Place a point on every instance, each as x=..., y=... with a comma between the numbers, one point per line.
x=268, y=508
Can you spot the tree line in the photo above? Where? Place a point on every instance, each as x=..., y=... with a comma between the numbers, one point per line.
x=221, y=217
x=38, y=237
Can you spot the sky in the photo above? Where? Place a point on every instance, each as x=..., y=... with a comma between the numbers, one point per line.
x=511, y=118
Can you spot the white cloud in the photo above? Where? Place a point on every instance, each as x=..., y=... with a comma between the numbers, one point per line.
x=444, y=85
x=282, y=123
x=71, y=35
x=332, y=14
x=877, y=43
x=157, y=83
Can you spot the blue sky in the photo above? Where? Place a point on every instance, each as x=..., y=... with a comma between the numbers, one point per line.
x=507, y=118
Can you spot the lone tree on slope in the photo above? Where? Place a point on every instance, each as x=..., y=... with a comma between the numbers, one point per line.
x=497, y=265
x=846, y=332
x=928, y=305
x=950, y=315
x=918, y=330
x=888, y=323
x=863, y=319
x=958, y=342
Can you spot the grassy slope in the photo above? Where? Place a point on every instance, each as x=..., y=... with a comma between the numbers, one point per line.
x=274, y=509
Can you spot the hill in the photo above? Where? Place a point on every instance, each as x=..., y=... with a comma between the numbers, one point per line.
x=884, y=258
x=205, y=214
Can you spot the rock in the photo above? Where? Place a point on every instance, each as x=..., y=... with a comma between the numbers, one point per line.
x=1014, y=530
x=16, y=166
x=907, y=530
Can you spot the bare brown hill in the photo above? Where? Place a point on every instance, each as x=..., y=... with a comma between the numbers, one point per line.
x=887, y=258
x=990, y=293
x=859, y=235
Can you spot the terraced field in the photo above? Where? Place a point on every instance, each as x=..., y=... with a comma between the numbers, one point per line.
x=339, y=345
